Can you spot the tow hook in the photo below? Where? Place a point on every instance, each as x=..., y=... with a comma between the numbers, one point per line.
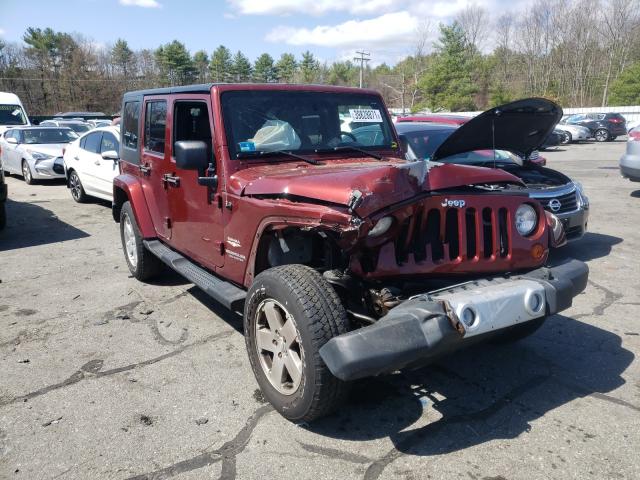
x=457, y=325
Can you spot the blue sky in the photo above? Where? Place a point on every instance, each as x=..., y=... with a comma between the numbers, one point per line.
x=331, y=29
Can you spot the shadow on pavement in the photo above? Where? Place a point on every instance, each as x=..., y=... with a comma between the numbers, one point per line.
x=591, y=246
x=484, y=393
x=29, y=224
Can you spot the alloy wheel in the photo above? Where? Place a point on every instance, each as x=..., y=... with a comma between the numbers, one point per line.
x=278, y=345
x=26, y=173
x=130, y=241
x=601, y=136
x=76, y=188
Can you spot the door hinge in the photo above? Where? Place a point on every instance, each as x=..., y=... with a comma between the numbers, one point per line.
x=167, y=222
x=220, y=246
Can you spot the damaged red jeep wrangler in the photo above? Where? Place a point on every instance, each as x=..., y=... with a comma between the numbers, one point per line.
x=296, y=202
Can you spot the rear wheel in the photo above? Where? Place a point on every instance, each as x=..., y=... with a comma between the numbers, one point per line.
x=290, y=312
x=566, y=138
x=142, y=264
x=26, y=173
x=601, y=135
x=77, y=190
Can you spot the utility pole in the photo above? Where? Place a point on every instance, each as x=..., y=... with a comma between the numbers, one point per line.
x=362, y=59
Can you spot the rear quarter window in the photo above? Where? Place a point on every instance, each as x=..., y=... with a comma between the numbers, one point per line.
x=130, y=119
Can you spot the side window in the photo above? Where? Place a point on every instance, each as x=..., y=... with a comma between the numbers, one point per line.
x=109, y=142
x=83, y=141
x=155, y=121
x=10, y=134
x=191, y=122
x=130, y=119
x=92, y=143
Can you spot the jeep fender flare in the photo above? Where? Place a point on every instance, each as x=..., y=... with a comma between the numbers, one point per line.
x=128, y=188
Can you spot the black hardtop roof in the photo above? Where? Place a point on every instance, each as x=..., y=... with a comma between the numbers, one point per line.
x=200, y=88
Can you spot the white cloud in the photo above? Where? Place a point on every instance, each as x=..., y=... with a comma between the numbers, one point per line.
x=313, y=7
x=1, y=32
x=140, y=3
x=389, y=31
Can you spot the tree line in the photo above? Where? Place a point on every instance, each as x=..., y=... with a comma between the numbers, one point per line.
x=577, y=52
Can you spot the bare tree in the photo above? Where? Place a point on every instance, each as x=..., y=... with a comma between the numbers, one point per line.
x=474, y=20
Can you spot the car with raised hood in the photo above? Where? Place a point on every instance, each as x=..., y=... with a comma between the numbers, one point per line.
x=603, y=127
x=35, y=152
x=630, y=160
x=347, y=260
x=556, y=192
x=91, y=164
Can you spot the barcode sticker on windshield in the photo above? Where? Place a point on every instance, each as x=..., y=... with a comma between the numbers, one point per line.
x=365, y=115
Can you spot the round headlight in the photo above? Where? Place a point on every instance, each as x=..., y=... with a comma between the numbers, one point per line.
x=381, y=227
x=526, y=219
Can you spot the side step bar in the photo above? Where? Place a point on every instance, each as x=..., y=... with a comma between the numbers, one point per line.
x=223, y=292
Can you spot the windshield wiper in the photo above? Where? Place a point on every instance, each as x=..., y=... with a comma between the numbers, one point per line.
x=312, y=161
x=355, y=149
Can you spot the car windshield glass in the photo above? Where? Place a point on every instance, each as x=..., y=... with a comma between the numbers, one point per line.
x=12, y=115
x=268, y=121
x=78, y=127
x=424, y=143
x=48, y=135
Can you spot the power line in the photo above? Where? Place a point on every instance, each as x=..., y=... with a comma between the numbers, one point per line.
x=362, y=60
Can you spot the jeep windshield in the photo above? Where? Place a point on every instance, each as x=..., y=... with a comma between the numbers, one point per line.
x=273, y=121
x=12, y=115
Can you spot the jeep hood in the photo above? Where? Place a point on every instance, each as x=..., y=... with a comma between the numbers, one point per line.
x=367, y=186
x=519, y=127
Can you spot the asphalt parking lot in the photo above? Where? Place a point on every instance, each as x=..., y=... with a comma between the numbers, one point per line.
x=104, y=377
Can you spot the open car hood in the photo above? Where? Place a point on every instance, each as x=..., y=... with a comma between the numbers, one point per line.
x=519, y=127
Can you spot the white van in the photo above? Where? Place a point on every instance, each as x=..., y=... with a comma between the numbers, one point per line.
x=11, y=111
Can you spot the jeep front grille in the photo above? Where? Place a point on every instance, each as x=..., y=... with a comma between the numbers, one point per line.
x=436, y=235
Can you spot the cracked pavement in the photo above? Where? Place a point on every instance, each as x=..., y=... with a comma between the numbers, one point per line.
x=104, y=377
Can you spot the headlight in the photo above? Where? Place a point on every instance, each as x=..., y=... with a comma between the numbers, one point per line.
x=526, y=219
x=381, y=227
x=39, y=155
x=583, y=200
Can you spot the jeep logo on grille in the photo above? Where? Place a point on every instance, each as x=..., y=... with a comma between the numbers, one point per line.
x=554, y=204
x=453, y=203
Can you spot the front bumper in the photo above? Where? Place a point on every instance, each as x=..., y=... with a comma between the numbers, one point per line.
x=430, y=325
x=630, y=163
x=575, y=223
x=45, y=169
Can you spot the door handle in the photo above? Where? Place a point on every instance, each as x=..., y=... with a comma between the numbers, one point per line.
x=76, y=157
x=145, y=169
x=97, y=162
x=170, y=180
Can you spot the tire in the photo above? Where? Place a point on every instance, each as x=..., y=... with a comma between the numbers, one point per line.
x=519, y=332
x=142, y=264
x=77, y=190
x=304, y=304
x=3, y=215
x=601, y=135
x=566, y=138
x=26, y=173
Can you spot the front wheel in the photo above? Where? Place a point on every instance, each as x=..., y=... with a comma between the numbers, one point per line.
x=601, y=135
x=566, y=138
x=77, y=190
x=26, y=173
x=142, y=264
x=290, y=312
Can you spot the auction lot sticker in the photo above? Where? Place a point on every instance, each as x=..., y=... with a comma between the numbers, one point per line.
x=365, y=115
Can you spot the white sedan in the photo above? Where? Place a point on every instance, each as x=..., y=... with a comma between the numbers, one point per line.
x=33, y=151
x=91, y=163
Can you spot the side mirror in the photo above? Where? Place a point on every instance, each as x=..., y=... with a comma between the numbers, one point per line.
x=111, y=155
x=12, y=140
x=191, y=155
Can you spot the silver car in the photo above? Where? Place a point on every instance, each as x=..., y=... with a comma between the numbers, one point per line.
x=35, y=152
x=630, y=161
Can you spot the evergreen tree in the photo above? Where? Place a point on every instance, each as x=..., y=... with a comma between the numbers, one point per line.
x=286, y=68
x=263, y=70
x=175, y=63
x=122, y=57
x=626, y=89
x=201, y=63
x=448, y=84
x=221, y=65
x=241, y=67
x=309, y=67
